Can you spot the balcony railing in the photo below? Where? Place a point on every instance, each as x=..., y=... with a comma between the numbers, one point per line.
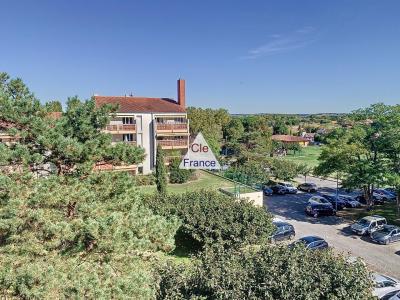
x=175, y=127
x=183, y=143
x=121, y=127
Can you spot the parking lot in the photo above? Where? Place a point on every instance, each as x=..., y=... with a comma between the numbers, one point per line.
x=335, y=230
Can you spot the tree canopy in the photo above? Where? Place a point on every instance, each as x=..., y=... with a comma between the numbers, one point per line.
x=71, y=144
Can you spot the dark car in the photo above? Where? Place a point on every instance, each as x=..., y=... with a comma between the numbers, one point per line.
x=316, y=210
x=341, y=203
x=279, y=189
x=386, y=195
x=267, y=191
x=307, y=187
x=312, y=242
x=284, y=231
x=387, y=234
x=377, y=199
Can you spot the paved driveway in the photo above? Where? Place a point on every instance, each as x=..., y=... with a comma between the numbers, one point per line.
x=335, y=230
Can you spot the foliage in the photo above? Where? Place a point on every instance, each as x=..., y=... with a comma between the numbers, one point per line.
x=63, y=238
x=161, y=172
x=178, y=175
x=72, y=144
x=211, y=218
x=362, y=153
x=141, y=180
x=250, y=172
x=234, y=130
x=284, y=169
x=54, y=106
x=273, y=272
x=211, y=123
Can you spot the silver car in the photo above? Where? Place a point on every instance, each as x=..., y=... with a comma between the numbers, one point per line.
x=388, y=234
x=368, y=225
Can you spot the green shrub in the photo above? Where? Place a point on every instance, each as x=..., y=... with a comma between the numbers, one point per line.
x=178, y=175
x=63, y=238
x=145, y=179
x=211, y=218
x=272, y=272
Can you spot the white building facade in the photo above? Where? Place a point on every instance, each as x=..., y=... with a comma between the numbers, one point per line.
x=148, y=122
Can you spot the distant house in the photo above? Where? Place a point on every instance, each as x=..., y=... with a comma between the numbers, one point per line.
x=291, y=139
x=309, y=136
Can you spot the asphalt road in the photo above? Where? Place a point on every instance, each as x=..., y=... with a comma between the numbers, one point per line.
x=384, y=259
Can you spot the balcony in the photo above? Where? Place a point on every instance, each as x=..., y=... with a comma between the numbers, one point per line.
x=120, y=128
x=173, y=144
x=172, y=127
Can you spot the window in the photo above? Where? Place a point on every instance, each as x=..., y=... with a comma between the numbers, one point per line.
x=127, y=137
x=128, y=120
x=381, y=222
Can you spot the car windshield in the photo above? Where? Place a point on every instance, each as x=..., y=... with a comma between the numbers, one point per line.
x=363, y=222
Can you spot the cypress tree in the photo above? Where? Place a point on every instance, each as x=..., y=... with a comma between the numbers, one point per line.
x=161, y=172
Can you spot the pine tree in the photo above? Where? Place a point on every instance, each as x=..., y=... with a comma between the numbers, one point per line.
x=161, y=172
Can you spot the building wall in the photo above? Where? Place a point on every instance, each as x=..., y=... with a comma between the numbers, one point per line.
x=145, y=135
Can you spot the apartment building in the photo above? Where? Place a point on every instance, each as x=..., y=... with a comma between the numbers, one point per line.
x=148, y=122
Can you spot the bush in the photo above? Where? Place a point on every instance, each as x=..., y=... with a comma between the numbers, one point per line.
x=63, y=238
x=211, y=218
x=145, y=180
x=272, y=272
x=178, y=175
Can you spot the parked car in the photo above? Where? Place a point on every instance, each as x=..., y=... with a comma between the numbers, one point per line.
x=386, y=195
x=368, y=225
x=384, y=284
x=312, y=242
x=320, y=200
x=279, y=189
x=350, y=202
x=289, y=187
x=334, y=200
x=387, y=234
x=316, y=209
x=307, y=187
x=392, y=190
x=267, y=191
x=395, y=295
x=377, y=198
x=284, y=231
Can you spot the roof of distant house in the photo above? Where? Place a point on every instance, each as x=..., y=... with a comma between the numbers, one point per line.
x=288, y=138
x=55, y=115
x=141, y=104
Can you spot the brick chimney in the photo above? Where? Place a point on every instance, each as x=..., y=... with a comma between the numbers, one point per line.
x=181, y=93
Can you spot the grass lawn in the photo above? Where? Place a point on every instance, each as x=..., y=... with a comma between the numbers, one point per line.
x=388, y=210
x=205, y=181
x=308, y=155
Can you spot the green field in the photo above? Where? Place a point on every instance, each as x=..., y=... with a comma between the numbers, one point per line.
x=205, y=181
x=308, y=155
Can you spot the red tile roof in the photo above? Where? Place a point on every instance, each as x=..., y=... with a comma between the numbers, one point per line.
x=288, y=138
x=54, y=115
x=141, y=104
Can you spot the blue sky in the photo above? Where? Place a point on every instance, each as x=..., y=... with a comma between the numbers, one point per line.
x=246, y=56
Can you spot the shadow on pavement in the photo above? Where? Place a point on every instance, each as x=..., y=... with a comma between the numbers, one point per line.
x=346, y=231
